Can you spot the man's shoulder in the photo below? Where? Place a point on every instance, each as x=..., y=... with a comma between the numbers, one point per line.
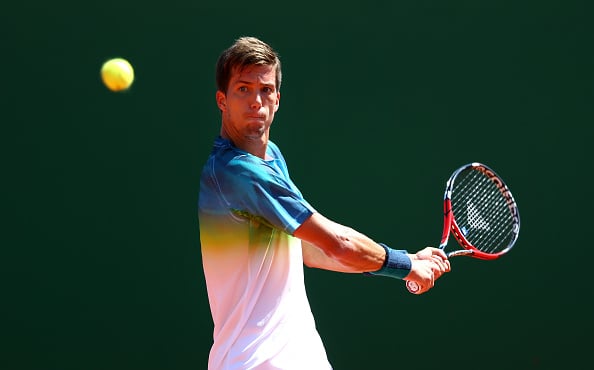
x=232, y=164
x=274, y=151
x=273, y=147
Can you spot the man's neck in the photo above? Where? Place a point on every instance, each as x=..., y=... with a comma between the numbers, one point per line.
x=255, y=146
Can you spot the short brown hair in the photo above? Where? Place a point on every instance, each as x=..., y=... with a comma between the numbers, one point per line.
x=246, y=51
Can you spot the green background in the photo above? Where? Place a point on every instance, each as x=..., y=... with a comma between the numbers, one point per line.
x=100, y=263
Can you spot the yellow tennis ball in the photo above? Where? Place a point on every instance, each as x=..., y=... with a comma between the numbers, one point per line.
x=117, y=74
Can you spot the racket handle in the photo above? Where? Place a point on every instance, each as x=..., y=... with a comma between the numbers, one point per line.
x=412, y=287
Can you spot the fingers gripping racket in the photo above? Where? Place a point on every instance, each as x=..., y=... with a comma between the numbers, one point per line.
x=480, y=212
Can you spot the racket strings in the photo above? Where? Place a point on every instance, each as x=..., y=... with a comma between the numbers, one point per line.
x=482, y=212
x=486, y=223
x=494, y=237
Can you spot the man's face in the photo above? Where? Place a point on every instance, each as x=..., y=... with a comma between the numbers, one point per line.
x=249, y=105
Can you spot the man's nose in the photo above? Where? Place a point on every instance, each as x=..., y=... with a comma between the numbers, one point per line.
x=256, y=101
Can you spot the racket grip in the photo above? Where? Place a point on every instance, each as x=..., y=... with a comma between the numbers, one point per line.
x=412, y=287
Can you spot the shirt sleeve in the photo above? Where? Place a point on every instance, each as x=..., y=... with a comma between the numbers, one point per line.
x=262, y=189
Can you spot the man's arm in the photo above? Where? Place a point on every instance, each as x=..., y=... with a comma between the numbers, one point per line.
x=331, y=246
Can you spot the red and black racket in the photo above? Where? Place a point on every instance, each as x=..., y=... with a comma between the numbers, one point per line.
x=481, y=213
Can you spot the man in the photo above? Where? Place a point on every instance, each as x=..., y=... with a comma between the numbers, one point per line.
x=257, y=231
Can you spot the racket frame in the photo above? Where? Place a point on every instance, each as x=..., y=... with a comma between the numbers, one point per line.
x=451, y=227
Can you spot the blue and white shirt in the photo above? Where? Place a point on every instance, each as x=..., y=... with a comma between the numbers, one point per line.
x=248, y=210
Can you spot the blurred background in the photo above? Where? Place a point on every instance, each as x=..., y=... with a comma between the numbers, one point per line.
x=381, y=101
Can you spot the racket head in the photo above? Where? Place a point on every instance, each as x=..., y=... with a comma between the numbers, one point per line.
x=480, y=212
x=484, y=214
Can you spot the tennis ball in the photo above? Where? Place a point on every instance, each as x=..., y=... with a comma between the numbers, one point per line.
x=117, y=74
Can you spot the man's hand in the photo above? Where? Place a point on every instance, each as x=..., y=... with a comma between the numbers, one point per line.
x=428, y=265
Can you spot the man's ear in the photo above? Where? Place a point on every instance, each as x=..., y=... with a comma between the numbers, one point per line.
x=277, y=102
x=221, y=100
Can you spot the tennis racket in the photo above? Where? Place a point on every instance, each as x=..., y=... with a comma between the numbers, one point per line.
x=481, y=213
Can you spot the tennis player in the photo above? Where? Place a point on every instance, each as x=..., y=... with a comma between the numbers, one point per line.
x=257, y=231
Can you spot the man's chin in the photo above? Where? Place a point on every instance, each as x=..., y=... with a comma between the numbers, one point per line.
x=255, y=138
x=256, y=135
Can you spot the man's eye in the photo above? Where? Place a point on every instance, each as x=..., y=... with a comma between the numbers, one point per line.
x=243, y=88
x=268, y=89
